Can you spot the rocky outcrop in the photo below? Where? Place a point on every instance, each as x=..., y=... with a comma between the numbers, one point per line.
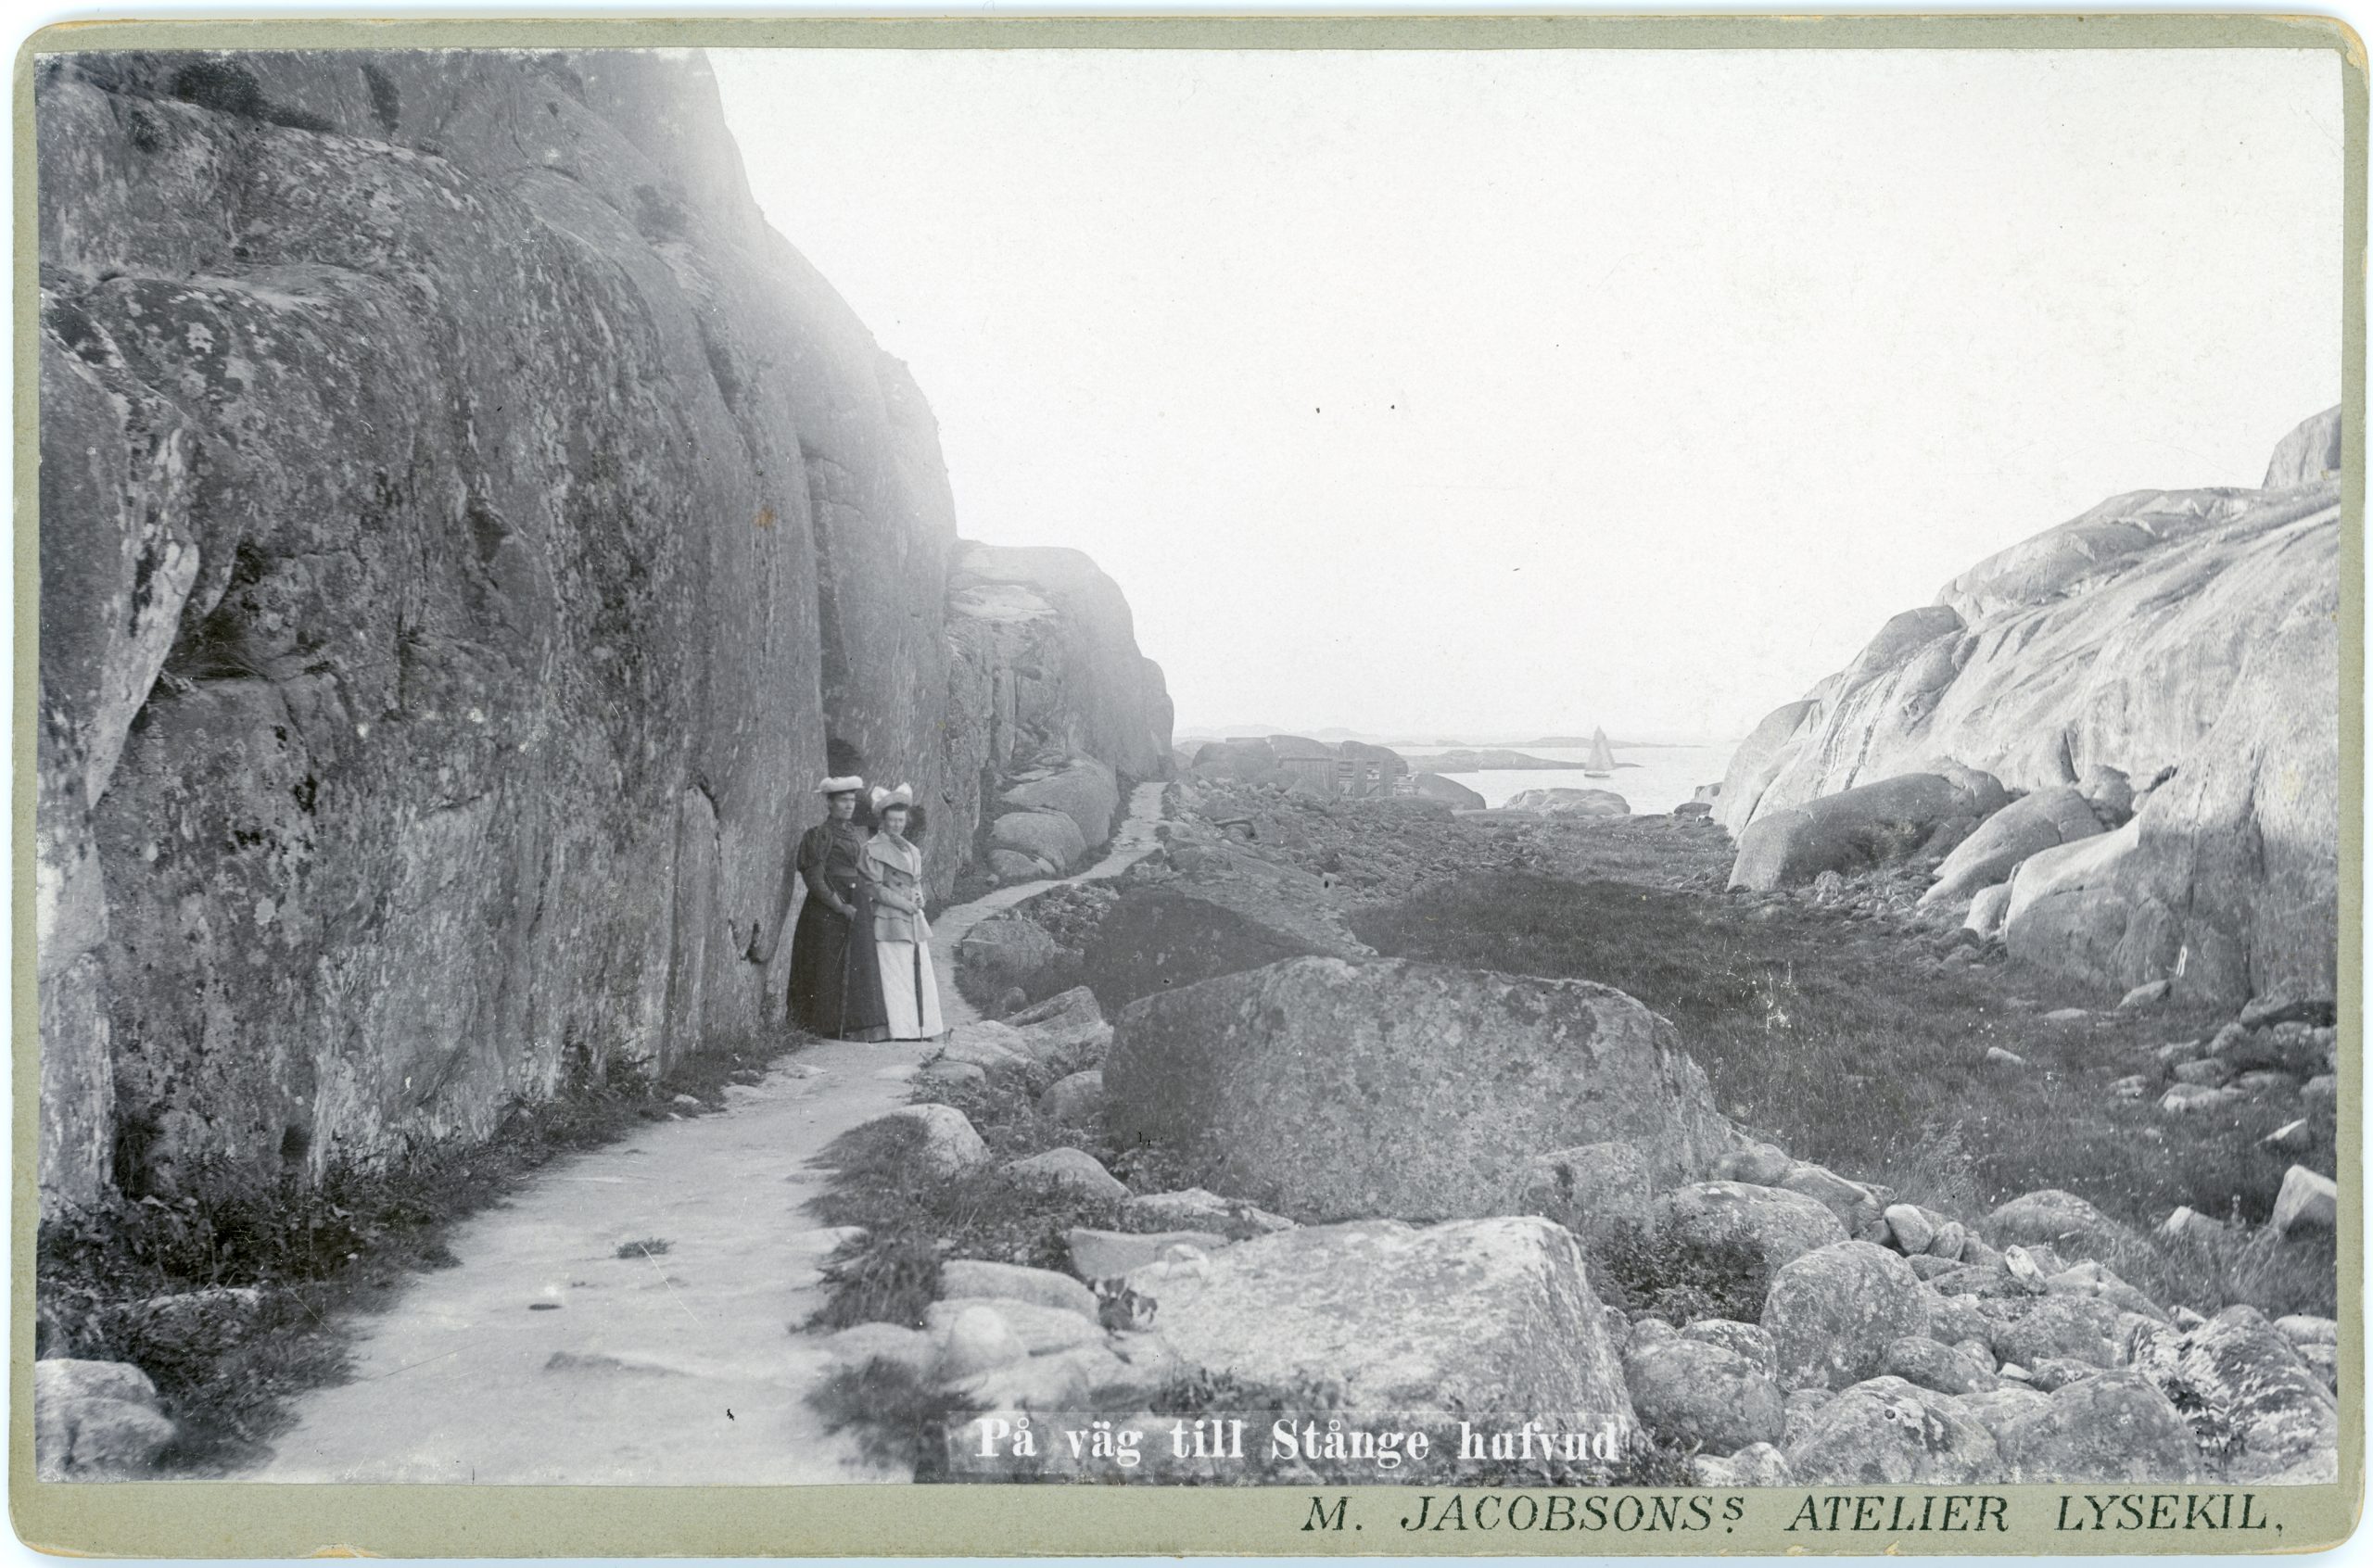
x=467, y=528
x=1570, y=802
x=2188, y=640
x=1327, y=1089
x=1856, y=829
x=1433, y=786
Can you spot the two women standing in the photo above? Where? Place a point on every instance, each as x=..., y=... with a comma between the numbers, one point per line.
x=860, y=955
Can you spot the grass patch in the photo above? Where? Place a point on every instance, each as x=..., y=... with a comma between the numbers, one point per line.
x=649, y=1247
x=1679, y=1278
x=231, y=1296
x=898, y=1415
x=1861, y=1043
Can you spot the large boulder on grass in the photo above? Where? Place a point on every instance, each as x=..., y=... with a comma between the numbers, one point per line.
x=1332, y=1088
x=1834, y=1311
x=2252, y=1381
x=2058, y=1219
x=1494, y=1314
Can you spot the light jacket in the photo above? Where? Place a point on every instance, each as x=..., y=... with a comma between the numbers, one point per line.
x=895, y=869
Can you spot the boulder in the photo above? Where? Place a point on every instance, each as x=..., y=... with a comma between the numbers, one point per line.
x=1887, y=1432
x=2200, y=1099
x=1948, y=1370
x=1851, y=831
x=1832, y=1313
x=1039, y=1329
x=1689, y=1391
x=1986, y=908
x=1780, y=1225
x=1193, y=1207
x=961, y=1277
x=1912, y=1227
x=1327, y=1088
x=1567, y=802
x=1433, y=786
x=1757, y=1464
x=911, y=1348
x=2067, y=1327
x=1068, y=1023
x=2056, y=1219
x=1077, y=1101
x=2306, y=1201
x=1069, y=1170
x=974, y=1338
x=2309, y=455
x=2109, y=791
x=949, y=1146
x=2246, y=1373
x=1998, y=1409
x=1590, y=1188
x=2041, y=821
x=1086, y=792
x=96, y=1420
x=1493, y=1314
x=1856, y=1204
x=1764, y=1165
x=1009, y=949
x=1751, y=1340
x=1103, y=1255
x=1048, y=837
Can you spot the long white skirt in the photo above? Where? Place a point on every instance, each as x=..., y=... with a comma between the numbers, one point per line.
x=909, y=990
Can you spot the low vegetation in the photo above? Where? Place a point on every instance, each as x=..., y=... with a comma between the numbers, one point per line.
x=231, y=1293
x=1862, y=1044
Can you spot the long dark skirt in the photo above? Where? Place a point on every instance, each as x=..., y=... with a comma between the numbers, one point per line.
x=836, y=981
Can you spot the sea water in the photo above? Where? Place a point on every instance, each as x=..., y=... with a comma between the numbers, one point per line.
x=1663, y=777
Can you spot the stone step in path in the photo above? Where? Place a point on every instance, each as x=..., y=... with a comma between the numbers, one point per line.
x=544, y=1358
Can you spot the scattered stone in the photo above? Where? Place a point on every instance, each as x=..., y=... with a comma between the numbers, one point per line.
x=1750, y=1340
x=2260, y=1012
x=1781, y=1225
x=2291, y=1137
x=2256, y=1380
x=2134, y=1088
x=2307, y=1200
x=1075, y=1101
x=1885, y=1431
x=1757, y=1464
x=1039, y=1328
x=2195, y=1099
x=2186, y=1222
x=2211, y=1071
x=976, y=1339
x=2104, y=1426
x=2301, y=1329
x=2320, y=1094
x=962, y=1277
x=2066, y=1015
x=1764, y=1165
x=2267, y=1082
x=1987, y=910
x=2149, y=994
x=2057, y=1219
x=1997, y=1057
x=2030, y=1329
x=1691, y=1391
x=2051, y=1373
x=941, y=1071
x=1192, y=1208
x=949, y=1146
x=1833, y=1312
x=1070, y=1170
x=1928, y=1267
x=2181, y=1051
x=1912, y=1227
x=1921, y=1359
x=1103, y=1255
x=1855, y=1203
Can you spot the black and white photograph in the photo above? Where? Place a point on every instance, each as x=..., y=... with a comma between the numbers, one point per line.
x=1609, y=774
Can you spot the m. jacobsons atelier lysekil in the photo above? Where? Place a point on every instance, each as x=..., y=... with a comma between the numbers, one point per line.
x=623, y=899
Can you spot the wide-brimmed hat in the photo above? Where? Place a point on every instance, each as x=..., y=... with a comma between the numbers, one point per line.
x=848, y=786
x=904, y=795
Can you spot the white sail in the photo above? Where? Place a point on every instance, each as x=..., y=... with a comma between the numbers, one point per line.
x=1602, y=755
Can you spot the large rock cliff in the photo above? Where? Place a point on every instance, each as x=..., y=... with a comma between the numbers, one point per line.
x=2188, y=638
x=467, y=531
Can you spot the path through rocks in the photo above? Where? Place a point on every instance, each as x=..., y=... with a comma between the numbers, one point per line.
x=545, y=1357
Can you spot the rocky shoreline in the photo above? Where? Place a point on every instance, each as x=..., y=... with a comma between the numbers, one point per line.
x=1274, y=1145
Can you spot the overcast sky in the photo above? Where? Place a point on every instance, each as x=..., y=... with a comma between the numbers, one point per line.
x=1496, y=394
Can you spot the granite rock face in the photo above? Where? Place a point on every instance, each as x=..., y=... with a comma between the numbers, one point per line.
x=2186, y=639
x=468, y=530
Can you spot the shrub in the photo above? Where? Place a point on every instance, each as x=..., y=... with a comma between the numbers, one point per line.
x=1678, y=1277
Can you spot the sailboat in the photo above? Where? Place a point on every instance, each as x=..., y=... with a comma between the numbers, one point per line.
x=1602, y=759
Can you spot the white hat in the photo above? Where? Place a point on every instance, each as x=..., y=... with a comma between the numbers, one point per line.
x=848, y=786
x=902, y=795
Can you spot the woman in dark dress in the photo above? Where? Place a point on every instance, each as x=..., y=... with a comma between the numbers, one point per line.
x=835, y=981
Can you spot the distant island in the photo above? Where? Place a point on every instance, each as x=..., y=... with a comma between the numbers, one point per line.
x=1468, y=760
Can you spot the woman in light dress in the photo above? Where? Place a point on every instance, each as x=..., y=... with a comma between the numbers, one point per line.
x=893, y=869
